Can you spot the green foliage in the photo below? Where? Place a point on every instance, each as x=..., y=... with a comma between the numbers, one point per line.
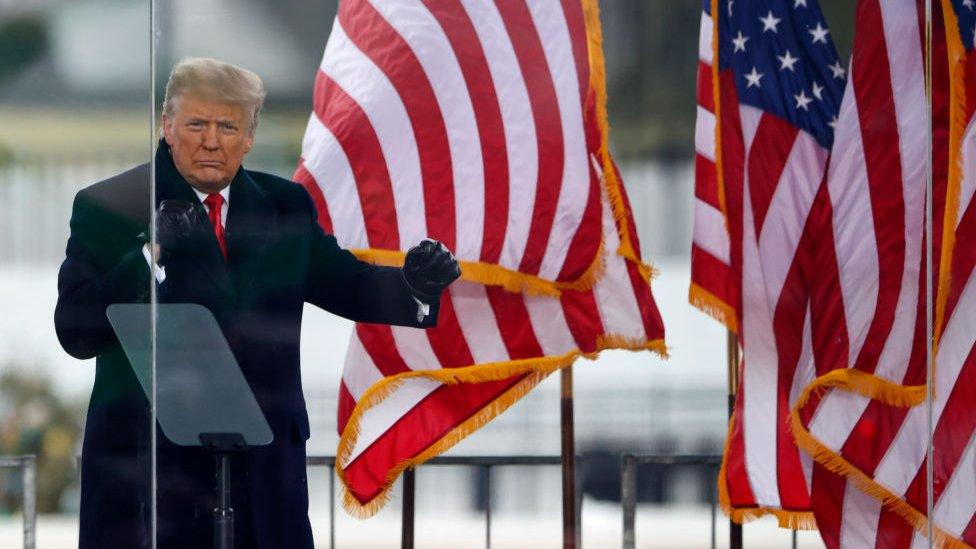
x=22, y=40
x=34, y=420
x=6, y=155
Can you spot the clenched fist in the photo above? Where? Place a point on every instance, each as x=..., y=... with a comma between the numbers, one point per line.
x=429, y=268
x=174, y=223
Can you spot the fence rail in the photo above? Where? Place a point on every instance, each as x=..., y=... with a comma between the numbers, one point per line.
x=628, y=489
x=484, y=463
x=28, y=471
x=628, y=486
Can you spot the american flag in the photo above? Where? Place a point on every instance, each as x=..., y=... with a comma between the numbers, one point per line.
x=769, y=89
x=482, y=125
x=867, y=425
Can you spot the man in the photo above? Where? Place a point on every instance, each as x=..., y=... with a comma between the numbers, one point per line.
x=247, y=246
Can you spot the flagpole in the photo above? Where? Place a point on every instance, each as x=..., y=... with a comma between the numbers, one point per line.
x=733, y=358
x=929, y=305
x=408, y=512
x=570, y=531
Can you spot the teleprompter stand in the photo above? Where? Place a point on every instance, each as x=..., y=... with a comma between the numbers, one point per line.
x=223, y=445
x=202, y=398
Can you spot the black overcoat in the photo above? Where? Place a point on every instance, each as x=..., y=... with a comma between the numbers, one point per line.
x=279, y=258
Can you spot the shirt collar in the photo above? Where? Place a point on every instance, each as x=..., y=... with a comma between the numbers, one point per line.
x=225, y=193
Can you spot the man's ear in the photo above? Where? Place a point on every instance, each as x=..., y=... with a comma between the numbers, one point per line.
x=168, y=129
x=249, y=142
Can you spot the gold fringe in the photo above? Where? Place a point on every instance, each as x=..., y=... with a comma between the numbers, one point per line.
x=882, y=390
x=792, y=520
x=957, y=125
x=494, y=275
x=866, y=385
x=717, y=104
x=363, y=511
x=598, y=84
x=837, y=464
x=537, y=370
x=712, y=306
x=627, y=343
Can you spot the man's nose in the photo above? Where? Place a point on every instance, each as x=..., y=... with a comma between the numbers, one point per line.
x=210, y=140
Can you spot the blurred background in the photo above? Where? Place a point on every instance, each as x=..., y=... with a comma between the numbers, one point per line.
x=76, y=107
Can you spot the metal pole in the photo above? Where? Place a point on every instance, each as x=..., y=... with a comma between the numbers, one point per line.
x=714, y=524
x=224, y=513
x=734, y=358
x=487, y=470
x=579, y=512
x=332, y=528
x=628, y=498
x=929, y=215
x=794, y=539
x=569, y=458
x=406, y=527
x=30, y=501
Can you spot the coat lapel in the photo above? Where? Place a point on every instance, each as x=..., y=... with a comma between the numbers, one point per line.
x=170, y=185
x=250, y=219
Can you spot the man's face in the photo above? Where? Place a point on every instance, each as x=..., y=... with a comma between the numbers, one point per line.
x=208, y=140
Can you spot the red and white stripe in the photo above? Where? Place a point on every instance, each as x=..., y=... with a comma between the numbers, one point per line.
x=479, y=325
x=711, y=262
x=492, y=326
x=459, y=121
x=759, y=248
x=786, y=166
x=473, y=123
x=877, y=189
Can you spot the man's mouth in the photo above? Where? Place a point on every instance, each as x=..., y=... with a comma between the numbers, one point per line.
x=210, y=163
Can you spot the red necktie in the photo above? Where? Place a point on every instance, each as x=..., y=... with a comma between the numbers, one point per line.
x=214, y=203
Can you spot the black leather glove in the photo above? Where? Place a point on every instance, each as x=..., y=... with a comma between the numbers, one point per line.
x=429, y=268
x=174, y=224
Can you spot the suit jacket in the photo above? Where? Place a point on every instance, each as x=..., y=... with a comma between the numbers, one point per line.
x=278, y=259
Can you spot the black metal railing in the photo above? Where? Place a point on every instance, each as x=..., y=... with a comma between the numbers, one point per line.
x=628, y=489
x=484, y=463
x=27, y=465
x=630, y=464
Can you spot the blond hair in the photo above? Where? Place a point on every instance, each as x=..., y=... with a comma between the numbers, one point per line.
x=212, y=79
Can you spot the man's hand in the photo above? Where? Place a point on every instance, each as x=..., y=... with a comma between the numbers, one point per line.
x=429, y=268
x=174, y=221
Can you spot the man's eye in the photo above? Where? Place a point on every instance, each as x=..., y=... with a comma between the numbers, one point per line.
x=227, y=128
x=195, y=125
